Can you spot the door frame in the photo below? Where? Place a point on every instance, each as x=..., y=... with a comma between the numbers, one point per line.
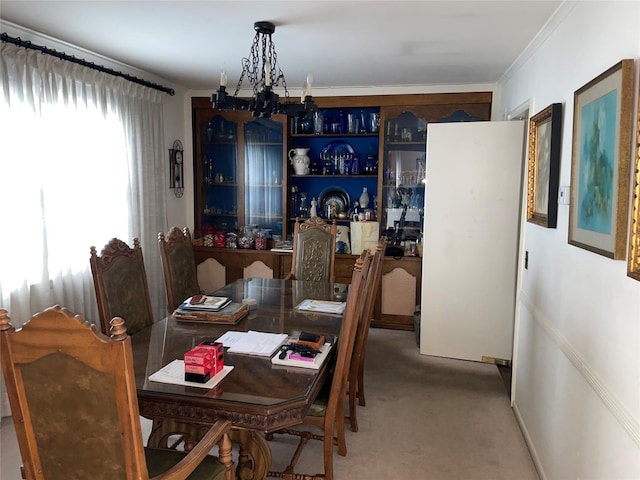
x=521, y=112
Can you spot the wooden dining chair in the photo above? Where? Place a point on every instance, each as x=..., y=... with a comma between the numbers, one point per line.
x=327, y=413
x=120, y=282
x=178, y=266
x=72, y=393
x=356, y=374
x=314, y=250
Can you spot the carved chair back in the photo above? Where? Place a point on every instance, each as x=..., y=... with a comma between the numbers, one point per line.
x=120, y=282
x=178, y=266
x=314, y=250
x=72, y=393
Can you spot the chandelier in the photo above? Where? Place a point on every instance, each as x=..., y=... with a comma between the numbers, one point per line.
x=263, y=73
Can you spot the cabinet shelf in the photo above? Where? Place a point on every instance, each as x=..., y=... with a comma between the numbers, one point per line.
x=220, y=184
x=405, y=144
x=406, y=185
x=334, y=176
x=339, y=221
x=334, y=135
x=266, y=215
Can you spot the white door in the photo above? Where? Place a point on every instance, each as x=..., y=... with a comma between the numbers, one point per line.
x=471, y=218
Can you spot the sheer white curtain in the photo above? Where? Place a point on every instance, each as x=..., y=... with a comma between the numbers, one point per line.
x=81, y=163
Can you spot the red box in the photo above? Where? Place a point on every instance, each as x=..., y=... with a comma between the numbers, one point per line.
x=198, y=356
x=199, y=365
x=217, y=351
x=199, y=369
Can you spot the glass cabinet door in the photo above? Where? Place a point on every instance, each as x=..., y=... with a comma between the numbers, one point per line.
x=240, y=171
x=219, y=198
x=403, y=177
x=263, y=173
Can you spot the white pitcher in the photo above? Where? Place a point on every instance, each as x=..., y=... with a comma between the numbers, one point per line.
x=300, y=160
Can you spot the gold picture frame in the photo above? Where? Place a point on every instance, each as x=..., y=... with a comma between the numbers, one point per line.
x=633, y=262
x=602, y=131
x=545, y=132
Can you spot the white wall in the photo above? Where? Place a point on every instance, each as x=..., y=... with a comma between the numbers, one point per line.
x=577, y=359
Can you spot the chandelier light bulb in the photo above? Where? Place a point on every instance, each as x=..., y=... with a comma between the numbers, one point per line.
x=307, y=92
x=267, y=73
x=223, y=77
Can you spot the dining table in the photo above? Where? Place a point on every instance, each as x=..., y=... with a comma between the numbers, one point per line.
x=257, y=396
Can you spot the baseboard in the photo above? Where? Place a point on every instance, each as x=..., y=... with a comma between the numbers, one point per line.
x=527, y=438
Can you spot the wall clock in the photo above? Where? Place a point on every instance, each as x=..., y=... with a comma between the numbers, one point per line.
x=176, y=168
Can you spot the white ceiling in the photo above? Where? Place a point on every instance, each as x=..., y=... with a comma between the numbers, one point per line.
x=343, y=43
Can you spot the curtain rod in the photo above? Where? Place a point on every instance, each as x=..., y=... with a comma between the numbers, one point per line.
x=70, y=58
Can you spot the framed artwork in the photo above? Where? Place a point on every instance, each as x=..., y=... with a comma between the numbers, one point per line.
x=602, y=131
x=545, y=131
x=633, y=263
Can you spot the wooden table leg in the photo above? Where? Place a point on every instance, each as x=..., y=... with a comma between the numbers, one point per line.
x=254, y=459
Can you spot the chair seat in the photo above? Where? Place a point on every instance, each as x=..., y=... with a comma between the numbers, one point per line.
x=161, y=460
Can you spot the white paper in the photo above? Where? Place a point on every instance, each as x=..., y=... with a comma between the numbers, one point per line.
x=252, y=342
x=323, y=306
x=174, y=373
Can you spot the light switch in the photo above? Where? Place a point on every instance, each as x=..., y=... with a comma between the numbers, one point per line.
x=563, y=195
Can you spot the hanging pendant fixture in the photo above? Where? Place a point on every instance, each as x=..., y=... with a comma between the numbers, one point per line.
x=263, y=73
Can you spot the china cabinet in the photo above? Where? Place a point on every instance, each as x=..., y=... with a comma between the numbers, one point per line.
x=267, y=172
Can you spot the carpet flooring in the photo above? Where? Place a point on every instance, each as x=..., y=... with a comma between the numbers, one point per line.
x=425, y=418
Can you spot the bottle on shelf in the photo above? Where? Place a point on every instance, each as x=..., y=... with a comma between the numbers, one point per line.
x=355, y=165
x=303, y=209
x=364, y=198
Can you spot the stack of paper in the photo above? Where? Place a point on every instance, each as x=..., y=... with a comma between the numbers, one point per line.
x=322, y=306
x=252, y=342
x=174, y=373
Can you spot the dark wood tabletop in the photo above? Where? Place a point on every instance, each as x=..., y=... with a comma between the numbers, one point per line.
x=255, y=394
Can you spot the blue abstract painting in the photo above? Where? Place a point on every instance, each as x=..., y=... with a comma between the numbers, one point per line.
x=595, y=185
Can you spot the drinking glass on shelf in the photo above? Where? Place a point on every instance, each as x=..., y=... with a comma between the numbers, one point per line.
x=374, y=122
x=318, y=122
x=353, y=123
